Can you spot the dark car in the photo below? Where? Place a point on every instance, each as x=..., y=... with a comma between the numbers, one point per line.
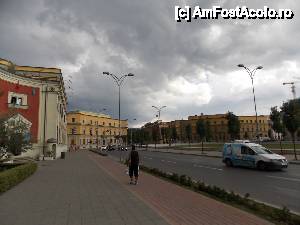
x=111, y=147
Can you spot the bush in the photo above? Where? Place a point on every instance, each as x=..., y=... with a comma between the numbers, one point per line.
x=12, y=177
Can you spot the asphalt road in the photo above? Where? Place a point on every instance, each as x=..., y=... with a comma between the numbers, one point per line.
x=279, y=188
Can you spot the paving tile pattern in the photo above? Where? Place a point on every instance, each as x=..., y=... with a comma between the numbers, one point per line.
x=178, y=205
x=74, y=191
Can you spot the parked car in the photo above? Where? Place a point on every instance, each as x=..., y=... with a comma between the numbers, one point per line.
x=122, y=148
x=252, y=155
x=104, y=148
x=110, y=148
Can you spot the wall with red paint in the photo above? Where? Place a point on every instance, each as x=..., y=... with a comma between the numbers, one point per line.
x=33, y=100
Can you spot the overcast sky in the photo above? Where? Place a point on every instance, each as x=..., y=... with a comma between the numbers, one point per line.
x=189, y=67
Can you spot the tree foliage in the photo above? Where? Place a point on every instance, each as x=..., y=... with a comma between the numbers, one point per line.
x=201, y=129
x=275, y=117
x=14, y=137
x=291, y=118
x=233, y=125
x=188, y=131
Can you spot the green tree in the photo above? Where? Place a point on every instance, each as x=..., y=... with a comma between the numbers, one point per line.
x=163, y=131
x=3, y=137
x=188, y=131
x=277, y=125
x=201, y=130
x=291, y=118
x=208, y=130
x=168, y=135
x=233, y=125
x=174, y=133
x=14, y=137
x=155, y=134
x=146, y=137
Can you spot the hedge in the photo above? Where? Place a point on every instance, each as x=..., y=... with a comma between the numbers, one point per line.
x=279, y=216
x=12, y=177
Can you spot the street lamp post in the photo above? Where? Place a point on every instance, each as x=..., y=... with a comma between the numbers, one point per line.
x=158, y=110
x=131, y=133
x=119, y=81
x=293, y=87
x=251, y=74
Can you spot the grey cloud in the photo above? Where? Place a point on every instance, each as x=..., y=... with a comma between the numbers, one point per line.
x=142, y=37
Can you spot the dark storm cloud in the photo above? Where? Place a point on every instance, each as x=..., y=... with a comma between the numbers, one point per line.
x=190, y=67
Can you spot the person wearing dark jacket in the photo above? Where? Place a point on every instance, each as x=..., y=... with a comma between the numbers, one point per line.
x=134, y=165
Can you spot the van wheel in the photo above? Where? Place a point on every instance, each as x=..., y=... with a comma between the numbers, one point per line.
x=261, y=165
x=228, y=162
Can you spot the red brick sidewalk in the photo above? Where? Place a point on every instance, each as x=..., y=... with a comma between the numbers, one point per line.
x=175, y=204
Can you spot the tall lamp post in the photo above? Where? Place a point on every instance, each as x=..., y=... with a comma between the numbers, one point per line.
x=119, y=81
x=131, y=133
x=251, y=74
x=293, y=87
x=158, y=110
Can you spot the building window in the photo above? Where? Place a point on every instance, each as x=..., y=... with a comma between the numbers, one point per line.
x=73, y=120
x=82, y=121
x=109, y=124
x=73, y=131
x=83, y=141
x=83, y=131
x=103, y=124
x=91, y=121
x=17, y=100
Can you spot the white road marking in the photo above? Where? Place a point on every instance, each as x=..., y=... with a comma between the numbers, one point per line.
x=162, y=160
x=285, y=178
x=145, y=157
x=207, y=167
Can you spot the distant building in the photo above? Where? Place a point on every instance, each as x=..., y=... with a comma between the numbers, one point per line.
x=36, y=95
x=218, y=126
x=91, y=130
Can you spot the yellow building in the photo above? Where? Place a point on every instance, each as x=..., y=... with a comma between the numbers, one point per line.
x=92, y=130
x=248, y=126
x=218, y=125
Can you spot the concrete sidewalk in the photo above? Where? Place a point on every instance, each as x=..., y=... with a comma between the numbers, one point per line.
x=90, y=189
x=74, y=191
x=216, y=154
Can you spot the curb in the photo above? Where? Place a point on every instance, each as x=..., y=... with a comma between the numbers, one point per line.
x=204, y=155
x=181, y=153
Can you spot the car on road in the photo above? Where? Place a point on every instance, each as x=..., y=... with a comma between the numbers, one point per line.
x=252, y=155
x=111, y=147
x=103, y=148
x=122, y=148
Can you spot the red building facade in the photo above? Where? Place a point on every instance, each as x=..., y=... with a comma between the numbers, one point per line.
x=27, y=105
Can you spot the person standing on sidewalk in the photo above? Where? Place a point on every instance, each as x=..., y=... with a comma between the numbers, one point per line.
x=134, y=165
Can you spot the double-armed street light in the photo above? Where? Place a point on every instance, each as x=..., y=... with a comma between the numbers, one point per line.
x=293, y=87
x=251, y=74
x=119, y=81
x=159, y=110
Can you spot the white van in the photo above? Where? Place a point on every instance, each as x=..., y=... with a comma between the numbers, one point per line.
x=252, y=155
